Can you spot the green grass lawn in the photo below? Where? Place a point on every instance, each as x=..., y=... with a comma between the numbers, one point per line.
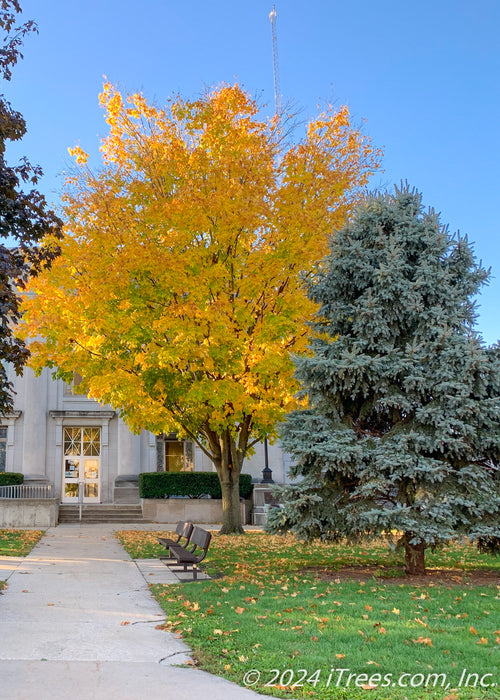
x=18, y=543
x=287, y=611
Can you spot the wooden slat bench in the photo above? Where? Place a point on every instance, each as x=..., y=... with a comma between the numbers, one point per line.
x=198, y=548
x=183, y=531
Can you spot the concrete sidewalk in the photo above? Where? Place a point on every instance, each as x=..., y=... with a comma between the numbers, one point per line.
x=77, y=620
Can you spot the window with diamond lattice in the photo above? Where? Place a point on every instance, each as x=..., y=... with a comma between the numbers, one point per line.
x=72, y=441
x=86, y=441
x=92, y=441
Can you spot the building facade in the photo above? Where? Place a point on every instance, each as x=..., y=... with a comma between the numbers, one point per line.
x=57, y=436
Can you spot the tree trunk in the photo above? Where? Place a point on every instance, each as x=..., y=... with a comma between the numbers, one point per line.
x=228, y=456
x=231, y=512
x=414, y=556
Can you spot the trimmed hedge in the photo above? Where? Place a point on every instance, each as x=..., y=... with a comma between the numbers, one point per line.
x=11, y=478
x=190, y=484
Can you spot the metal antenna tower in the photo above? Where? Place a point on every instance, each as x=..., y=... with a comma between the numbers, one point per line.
x=277, y=91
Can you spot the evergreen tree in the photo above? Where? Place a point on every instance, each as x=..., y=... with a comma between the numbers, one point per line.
x=402, y=432
x=24, y=217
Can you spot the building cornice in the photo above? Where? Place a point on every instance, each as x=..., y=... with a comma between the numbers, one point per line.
x=13, y=415
x=101, y=415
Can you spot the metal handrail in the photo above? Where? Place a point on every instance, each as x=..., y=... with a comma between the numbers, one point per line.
x=27, y=491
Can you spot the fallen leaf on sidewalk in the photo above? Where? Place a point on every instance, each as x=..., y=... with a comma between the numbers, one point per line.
x=126, y=622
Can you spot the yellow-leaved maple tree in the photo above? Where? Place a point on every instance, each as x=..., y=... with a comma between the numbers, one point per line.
x=179, y=292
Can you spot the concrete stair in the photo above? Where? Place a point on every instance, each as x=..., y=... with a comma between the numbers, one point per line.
x=104, y=513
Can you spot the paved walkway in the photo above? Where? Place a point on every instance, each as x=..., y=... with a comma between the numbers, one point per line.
x=77, y=620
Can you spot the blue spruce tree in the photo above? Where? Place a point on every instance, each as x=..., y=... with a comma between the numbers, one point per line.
x=402, y=432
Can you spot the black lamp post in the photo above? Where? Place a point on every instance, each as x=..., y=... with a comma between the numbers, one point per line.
x=267, y=474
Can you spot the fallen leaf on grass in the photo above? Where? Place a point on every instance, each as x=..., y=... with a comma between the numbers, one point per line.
x=340, y=656
x=483, y=640
x=423, y=640
x=239, y=610
x=421, y=622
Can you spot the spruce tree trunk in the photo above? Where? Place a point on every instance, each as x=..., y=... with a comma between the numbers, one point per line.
x=414, y=556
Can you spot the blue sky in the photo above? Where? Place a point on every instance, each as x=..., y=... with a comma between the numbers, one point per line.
x=422, y=77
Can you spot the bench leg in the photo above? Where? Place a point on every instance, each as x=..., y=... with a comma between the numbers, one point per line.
x=184, y=568
x=180, y=565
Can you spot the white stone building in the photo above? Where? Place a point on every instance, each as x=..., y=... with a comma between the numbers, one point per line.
x=57, y=436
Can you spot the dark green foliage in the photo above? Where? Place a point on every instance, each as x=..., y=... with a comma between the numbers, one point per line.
x=191, y=484
x=24, y=217
x=11, y=478
x=403, y=429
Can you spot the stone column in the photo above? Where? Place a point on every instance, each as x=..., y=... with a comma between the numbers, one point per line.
x=35, y=425
x=129, y=465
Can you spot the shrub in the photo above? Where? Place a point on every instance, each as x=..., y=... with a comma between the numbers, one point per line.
x=11, y=478
x=190, y=484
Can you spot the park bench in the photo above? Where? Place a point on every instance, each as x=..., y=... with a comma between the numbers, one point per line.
x=198, y=548
x=183, y=531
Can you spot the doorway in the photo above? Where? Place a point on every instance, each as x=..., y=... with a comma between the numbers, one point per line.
x=81, y=464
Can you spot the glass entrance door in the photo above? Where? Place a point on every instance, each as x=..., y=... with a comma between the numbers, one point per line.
x=81, y=464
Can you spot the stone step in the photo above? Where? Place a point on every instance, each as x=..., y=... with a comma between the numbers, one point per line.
x=101, y=514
